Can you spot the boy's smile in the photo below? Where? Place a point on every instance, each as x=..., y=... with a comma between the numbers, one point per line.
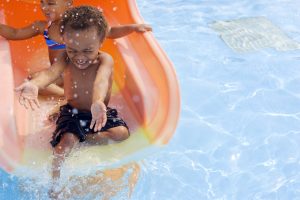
x=82, y=46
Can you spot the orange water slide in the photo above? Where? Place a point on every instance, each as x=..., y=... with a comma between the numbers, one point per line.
x=145, y=90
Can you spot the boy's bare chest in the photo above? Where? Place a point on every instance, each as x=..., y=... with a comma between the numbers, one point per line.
x=79, y=82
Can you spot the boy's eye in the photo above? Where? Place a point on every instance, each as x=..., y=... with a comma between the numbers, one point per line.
x=51, y=3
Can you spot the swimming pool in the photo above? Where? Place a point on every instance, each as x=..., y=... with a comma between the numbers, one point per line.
x=239, y=128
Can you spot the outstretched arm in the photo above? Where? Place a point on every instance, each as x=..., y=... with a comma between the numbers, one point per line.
x=50, y=75
x=29, y=89
x=123, y=30
x=29, y=31
x=101, y=87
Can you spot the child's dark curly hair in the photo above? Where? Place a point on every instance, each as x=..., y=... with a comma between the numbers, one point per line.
x=82, y=18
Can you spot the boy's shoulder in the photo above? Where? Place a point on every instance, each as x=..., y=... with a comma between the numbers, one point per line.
x=105, y=58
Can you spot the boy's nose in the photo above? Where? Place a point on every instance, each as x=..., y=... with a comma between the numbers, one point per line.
x=80, y=58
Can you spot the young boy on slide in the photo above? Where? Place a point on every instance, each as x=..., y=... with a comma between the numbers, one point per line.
x=88, y=76
x=49, y=28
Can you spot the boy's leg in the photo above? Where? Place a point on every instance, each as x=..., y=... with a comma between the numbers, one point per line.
x=118, y=133
x=63, y=149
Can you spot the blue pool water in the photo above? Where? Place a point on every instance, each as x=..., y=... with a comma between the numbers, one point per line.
x=239, y=132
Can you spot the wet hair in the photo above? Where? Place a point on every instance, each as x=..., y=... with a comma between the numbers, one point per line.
x=83, y=18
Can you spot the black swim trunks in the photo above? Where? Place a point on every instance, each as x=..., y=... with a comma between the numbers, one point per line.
x=71, y=120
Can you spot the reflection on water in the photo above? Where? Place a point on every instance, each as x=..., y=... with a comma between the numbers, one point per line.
x=238, y=136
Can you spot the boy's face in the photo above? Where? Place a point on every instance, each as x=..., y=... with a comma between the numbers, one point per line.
x=54, y=9
x=82, y=46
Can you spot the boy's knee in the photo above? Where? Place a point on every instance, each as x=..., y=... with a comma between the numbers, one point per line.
x=121, y=133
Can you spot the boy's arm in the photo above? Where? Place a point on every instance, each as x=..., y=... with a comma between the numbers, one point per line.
x=123, y=30
x=29, y=89
x=50, y=75
x=101, y=87
x=29, y=31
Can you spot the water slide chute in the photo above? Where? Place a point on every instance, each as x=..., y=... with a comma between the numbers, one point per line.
x=145, y=91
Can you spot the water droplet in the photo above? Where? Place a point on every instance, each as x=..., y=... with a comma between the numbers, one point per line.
x=74, y=111
x=82, y=123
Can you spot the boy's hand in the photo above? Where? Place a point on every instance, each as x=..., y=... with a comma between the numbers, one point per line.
x=143, y=28
x=28, y=95
x=99, y=117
